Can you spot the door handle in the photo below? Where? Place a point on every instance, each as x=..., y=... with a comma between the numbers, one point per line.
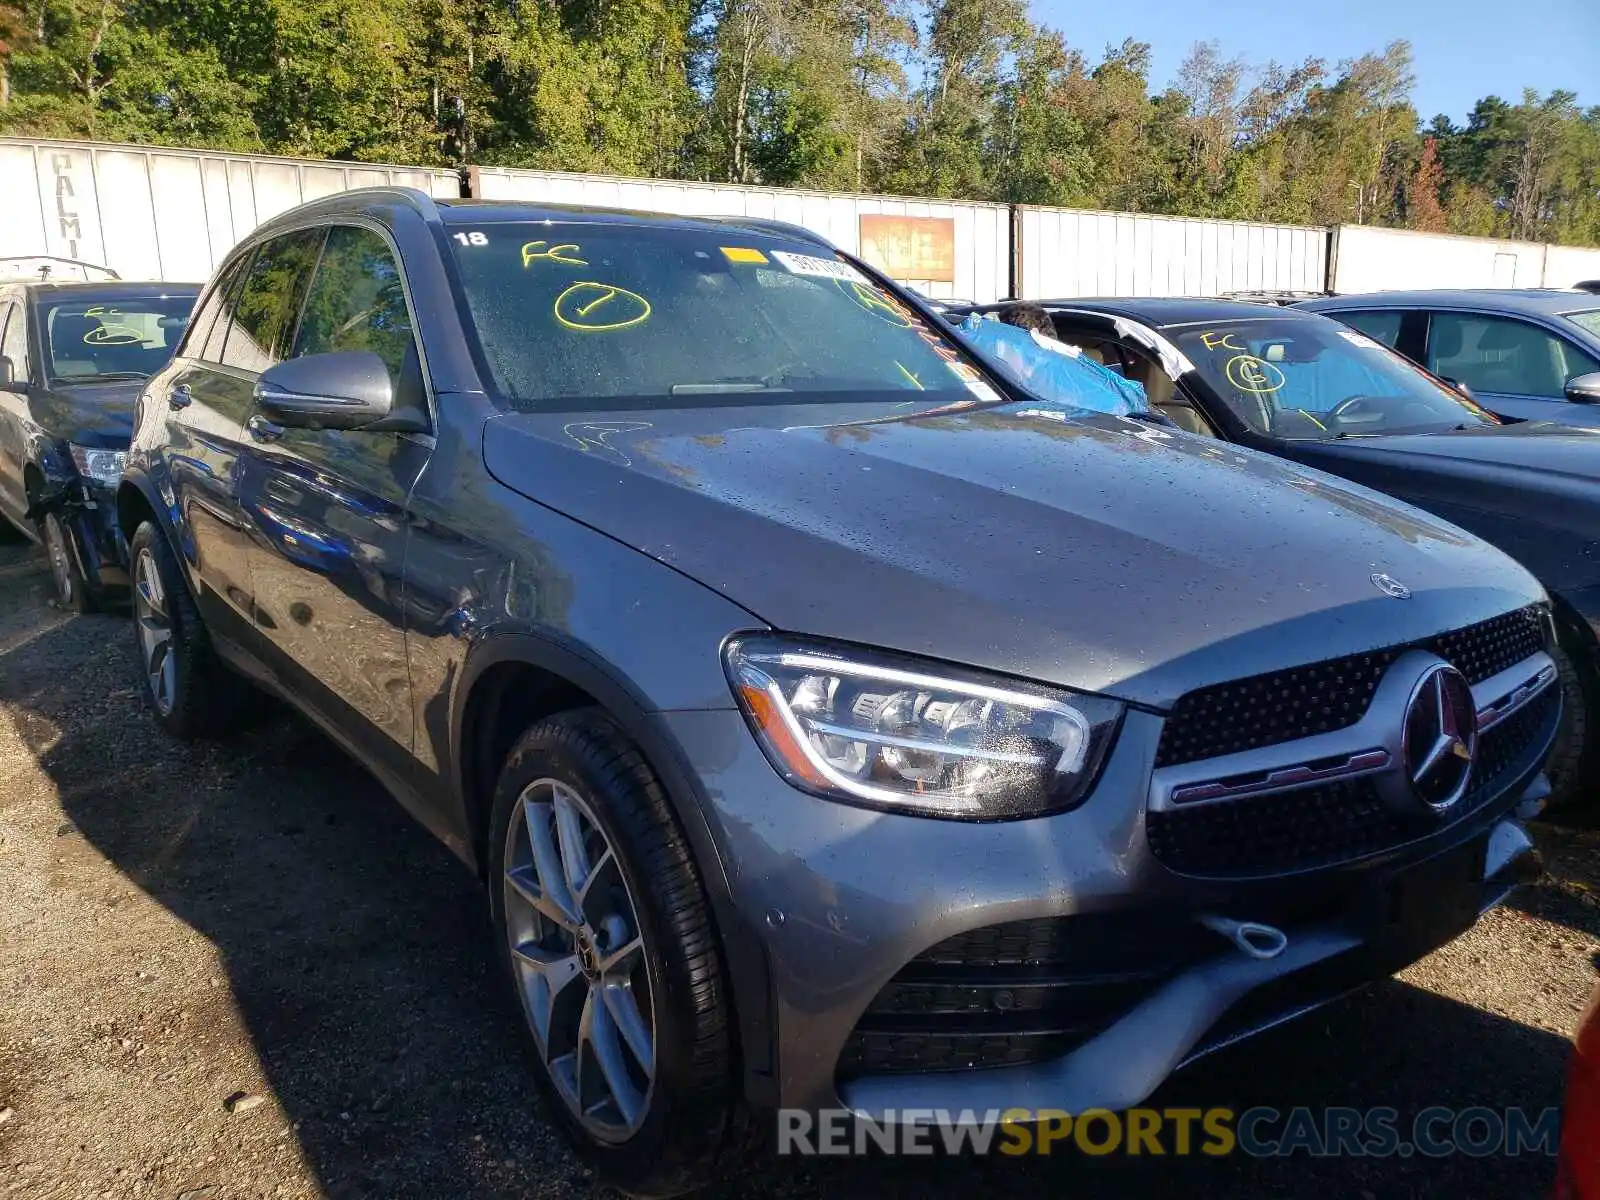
x=180, y=397
x=263, y=430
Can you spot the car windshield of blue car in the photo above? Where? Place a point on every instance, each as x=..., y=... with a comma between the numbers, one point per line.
x=106, y=341
x=618, y=316
x=1316, y=380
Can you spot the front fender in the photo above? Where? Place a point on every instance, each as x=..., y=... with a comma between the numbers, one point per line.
x=744, y=953
x=139, y=496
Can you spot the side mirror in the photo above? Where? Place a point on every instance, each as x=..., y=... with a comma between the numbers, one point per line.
x=348, y=389
x=8, y=377
x=1584, y=389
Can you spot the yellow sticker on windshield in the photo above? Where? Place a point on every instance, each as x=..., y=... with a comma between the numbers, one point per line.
x=600, y=308
x=743, y=254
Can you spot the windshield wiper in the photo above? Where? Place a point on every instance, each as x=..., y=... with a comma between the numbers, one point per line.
x=723, y=387
x=101, y=377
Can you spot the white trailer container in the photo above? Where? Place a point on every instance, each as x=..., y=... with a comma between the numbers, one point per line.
x=950, y=249
x=1565, y=266
x=156, y=213
x=1367, y=259
x=1066, y=252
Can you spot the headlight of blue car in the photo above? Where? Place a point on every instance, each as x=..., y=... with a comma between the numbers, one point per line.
x=100, y=466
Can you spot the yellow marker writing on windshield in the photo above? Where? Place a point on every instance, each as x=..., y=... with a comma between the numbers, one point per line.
x=564, y=253
x=1213, y=340
x=875, y=302
x=600, y=307
x=1254, y=375
x=915, y=382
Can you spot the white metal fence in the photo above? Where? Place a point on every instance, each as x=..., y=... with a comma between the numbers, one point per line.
x=1064, y=252
x=158, y=213
x=150, y=213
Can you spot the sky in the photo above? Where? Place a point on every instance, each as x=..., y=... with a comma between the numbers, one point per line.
x=1464, y=49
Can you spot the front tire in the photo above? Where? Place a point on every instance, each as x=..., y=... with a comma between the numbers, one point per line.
x=71, y=588
x=192, y=693
x=605, y=933
x=1575, y=760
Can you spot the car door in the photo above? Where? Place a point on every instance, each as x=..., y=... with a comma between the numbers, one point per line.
x=14, y=416
x=329, y=508
x=203, y=404
x=1514, y=367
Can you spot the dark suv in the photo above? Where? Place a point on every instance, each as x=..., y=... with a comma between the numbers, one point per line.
x=73, y=358
x=832, y=726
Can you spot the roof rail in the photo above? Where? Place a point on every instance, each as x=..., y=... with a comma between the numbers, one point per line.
x=18, y=266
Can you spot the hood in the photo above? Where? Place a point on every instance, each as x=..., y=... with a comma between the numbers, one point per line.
x=1531, y=489
x=99, y=415
x=1103, y=554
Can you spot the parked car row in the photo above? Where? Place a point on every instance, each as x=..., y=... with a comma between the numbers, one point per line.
x=834, y=724
x=1308, y=389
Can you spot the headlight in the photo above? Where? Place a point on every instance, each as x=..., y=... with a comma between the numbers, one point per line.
x=102, y=466
x=894, y=732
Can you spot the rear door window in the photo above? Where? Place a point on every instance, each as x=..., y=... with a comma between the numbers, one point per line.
x=226, y=294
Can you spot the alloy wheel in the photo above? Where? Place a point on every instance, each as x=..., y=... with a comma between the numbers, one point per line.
x=55, y=548
x=154, y=627
x=579, y=959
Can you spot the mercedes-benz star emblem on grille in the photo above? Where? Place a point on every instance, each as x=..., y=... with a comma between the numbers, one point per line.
x=1441, y=737
x=1390, y=586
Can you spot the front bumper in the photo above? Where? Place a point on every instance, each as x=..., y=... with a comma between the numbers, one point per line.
x=851, y=907
x=89, y=512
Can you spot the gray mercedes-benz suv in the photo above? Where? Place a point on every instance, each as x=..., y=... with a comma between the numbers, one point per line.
x=832, y=725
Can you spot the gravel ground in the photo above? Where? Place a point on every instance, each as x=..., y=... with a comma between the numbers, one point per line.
x=241, y=971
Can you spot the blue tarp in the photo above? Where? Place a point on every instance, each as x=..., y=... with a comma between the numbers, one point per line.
x=1051, y=371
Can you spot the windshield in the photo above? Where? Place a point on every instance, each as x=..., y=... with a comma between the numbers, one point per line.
x=130, y=337
x=1317, y=380
x=1588, y=321
x=619, y=316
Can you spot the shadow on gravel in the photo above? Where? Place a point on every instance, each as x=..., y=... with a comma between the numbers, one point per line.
x=358, y=953
x=1570, y=895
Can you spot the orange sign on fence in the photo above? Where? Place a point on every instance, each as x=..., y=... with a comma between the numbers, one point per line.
x=910, y=247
